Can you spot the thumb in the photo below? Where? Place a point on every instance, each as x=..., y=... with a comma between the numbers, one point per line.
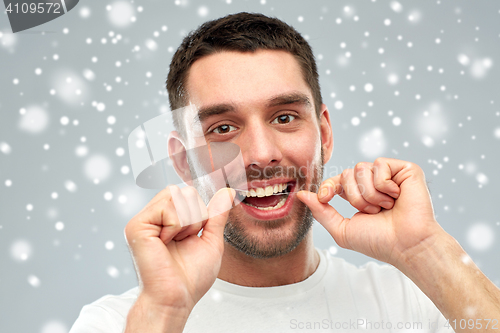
x=325, y=214
x=218, y=211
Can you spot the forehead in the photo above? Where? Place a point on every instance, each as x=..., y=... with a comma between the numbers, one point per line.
x=244, y=78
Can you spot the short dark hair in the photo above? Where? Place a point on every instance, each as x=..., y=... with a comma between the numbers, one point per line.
x=243, y=32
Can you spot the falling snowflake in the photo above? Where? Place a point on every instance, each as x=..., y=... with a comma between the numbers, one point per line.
x=113, y=272
x=480, y=236
x=34, y=120
x=121, y=14
x=21, y=250
x=373, y=144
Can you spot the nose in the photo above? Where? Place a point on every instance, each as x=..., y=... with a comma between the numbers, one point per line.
x=260, y=146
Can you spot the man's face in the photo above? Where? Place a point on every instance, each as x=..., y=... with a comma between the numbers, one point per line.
x=261, y=102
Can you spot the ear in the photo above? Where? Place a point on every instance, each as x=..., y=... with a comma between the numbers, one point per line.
x=178, y=156
x=326, y=133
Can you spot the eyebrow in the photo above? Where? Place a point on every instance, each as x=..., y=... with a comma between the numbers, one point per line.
x=283, y=99
x=213, y=110
x=290, y=98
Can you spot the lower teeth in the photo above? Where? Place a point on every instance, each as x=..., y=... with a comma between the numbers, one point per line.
x=278, y=205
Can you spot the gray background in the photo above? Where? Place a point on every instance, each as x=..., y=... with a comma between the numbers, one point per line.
x=434, y=102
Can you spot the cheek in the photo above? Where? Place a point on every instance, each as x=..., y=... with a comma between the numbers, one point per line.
x=304, y=150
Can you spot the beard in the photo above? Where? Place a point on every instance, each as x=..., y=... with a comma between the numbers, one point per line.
x=274, y=241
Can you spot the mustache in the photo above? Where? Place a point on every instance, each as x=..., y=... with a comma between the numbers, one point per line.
x=279, y=171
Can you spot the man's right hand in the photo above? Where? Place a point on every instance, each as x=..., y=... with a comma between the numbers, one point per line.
x=175, y=267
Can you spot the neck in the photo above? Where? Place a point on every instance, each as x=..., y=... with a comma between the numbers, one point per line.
x=295, y=266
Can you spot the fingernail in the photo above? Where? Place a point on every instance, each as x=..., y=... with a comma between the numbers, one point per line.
x=323, y=193
x=386, y=204
x=372, y=210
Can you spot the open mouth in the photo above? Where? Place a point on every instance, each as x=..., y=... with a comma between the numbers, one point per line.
x=268, y=202
x=266, y=198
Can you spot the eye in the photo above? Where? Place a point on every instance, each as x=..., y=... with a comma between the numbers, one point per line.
x=283, y=119
x=223, y=129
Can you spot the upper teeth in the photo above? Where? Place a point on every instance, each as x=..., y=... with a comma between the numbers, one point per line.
x=265, y=191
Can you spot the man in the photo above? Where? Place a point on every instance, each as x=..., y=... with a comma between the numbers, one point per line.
x=254, y=268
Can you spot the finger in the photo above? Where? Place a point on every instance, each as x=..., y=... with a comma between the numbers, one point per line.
x=218, y=212
x=404, y=181
x=197, y=208
x=363, y=174
x=171, y=225
x=150, y=231
x=162, y=195
x=384, y=170
x=158, y=196
x=352, y=193
x=190, y=230
x=199, y=213
x=159, y=220
x=204, y=211
x=329, y=188
x=327, y=216
x=181, y=205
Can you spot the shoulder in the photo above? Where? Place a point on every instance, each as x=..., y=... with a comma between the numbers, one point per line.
x=118, y=302
x=107, y=314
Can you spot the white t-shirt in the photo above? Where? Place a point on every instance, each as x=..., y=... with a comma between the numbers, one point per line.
x=337, y=297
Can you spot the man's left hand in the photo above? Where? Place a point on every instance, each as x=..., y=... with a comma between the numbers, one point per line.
x=395, y=219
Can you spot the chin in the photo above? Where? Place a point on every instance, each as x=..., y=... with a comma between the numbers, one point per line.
x=271, y=238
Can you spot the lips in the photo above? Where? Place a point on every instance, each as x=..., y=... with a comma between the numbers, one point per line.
x=261, y=203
